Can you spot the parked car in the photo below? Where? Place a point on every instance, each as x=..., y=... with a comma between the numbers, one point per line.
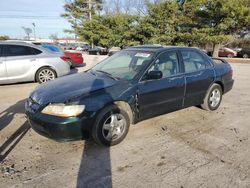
x=74, y=58
x=237, y=49
x=69, y=47
x=227, y=52
x=126, y=88
x=245, y=53
x=84, y=48
x=98, y=50
x=224, y=52
x=21, y=62
x=114, y=50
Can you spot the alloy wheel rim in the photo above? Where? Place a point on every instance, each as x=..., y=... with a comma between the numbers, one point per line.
x=114, y=127
x=46, y=75
x=215, y=98
x=245, y=56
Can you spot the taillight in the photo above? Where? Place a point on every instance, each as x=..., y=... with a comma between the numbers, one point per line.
x=64, y=58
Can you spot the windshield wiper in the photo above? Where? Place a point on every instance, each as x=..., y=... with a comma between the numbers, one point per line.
x=108, y=74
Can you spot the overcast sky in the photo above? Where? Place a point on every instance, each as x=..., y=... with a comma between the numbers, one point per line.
x=44, y=13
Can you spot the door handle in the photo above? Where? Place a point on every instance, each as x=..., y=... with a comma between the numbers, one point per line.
x=33, y=60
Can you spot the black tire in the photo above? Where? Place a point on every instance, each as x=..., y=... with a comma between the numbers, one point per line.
x=245, y=56
x=71, y=64
x=208, y=104
x=104, y=115
x=38, y=73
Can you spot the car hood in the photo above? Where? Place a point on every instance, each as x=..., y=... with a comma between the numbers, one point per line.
x=73, y=86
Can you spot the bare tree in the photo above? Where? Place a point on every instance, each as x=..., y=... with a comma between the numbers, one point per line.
x=54, y=37
x=118, y=6
x=135, y=7
x=27, y=31
x=106, y=7
x=141, y=7
x=128, y=5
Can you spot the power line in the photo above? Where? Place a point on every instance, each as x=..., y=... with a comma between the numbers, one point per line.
x=26, y=11
x=29, y=17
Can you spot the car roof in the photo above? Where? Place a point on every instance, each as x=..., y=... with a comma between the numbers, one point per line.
x=157, y=48
x=17, y=43
x=25, y=44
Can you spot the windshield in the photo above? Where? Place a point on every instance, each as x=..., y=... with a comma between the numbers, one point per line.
x=124, y=65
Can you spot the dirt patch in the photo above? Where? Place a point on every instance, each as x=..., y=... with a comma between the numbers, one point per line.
x=188, y=148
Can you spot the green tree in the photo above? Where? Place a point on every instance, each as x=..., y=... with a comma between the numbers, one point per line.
x=163, y=18
x=168, y=22
x=109, y=30
x=214, y=21
x=78, y=11
x=4, y=37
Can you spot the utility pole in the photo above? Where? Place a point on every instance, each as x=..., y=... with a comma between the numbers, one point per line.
x=34, y=28
x=90, y=18
x=90, y=7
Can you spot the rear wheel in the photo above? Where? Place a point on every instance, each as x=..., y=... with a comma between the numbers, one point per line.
x=213, y=98
x=45, y=74
x=245, y=56
x=70, y=63
x=111, y=127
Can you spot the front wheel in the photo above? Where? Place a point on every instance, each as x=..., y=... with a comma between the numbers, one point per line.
x=111, y=126
x=213, y=98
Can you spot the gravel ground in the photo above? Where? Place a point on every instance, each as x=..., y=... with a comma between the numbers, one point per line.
x=188, y=148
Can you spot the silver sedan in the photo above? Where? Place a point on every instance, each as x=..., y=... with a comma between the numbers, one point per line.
x=22, y=62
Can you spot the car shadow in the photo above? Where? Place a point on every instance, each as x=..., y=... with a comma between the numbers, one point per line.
x=95, y=168
x=73, y=71
x=6, y=117
x=81, y=65
x=13, y=140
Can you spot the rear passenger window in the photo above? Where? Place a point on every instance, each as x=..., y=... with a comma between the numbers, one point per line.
x=18, y=50
x=36, y=51
x=193, y=61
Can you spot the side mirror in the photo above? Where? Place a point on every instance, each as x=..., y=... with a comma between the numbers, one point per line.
x=154, y=75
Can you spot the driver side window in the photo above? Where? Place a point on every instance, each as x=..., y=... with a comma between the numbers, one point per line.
x=167, y=63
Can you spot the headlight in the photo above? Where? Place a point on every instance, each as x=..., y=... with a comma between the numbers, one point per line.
x=63, y=110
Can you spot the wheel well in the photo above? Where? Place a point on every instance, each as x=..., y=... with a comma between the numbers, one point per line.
x=42, y=68
x=221, y=85
x=125, y=106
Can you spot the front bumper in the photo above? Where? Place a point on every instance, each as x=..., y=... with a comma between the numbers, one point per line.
x=60, y=129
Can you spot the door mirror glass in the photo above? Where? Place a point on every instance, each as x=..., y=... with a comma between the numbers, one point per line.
x=154, y=75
